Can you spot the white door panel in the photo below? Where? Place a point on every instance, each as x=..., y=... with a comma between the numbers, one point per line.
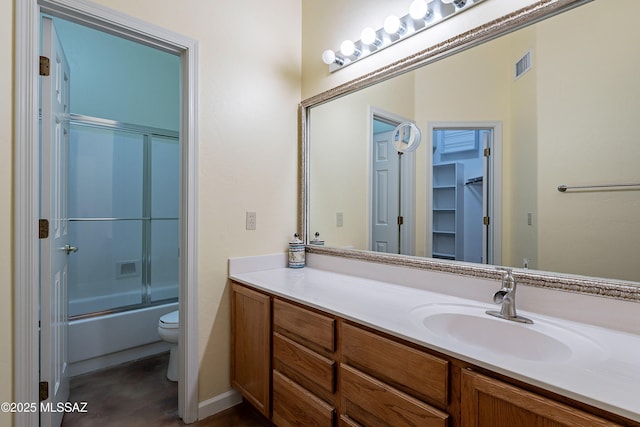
x=385, y=194
x=55, y=249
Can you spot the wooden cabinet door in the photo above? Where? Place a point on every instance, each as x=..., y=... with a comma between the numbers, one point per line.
x=487, y=402
x=251, y=345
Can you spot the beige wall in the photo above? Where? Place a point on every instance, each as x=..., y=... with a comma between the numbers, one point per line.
x=340, y=174
x=249, y=89
x=520, y=240
x=587, y=135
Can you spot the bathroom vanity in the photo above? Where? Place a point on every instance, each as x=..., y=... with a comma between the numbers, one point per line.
x=365, y=336
x=321, y=348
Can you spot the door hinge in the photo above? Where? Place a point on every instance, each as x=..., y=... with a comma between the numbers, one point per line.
x=485, y=220
x=400, y=220
x=487, y=152
x=43, y=228
x=44, y=66
x=44, y=390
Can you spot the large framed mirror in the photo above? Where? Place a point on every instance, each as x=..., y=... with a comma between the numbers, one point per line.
x=542, y=98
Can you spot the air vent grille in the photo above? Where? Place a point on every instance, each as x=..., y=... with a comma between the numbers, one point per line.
x=523, y=65
x=126, y=269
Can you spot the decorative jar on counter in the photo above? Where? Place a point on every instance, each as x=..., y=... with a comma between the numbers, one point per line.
x=296, y=252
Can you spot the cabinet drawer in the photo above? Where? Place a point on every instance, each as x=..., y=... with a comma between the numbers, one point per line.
x=295, y=406
x=304, y=326
x=345, y=421
x=370, y=402
x=290, y=356
x=410, y=370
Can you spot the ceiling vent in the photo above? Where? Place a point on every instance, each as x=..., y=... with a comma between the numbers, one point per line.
x=523, y=65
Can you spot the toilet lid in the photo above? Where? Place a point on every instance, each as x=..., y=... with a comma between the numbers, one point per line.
x=170, y=320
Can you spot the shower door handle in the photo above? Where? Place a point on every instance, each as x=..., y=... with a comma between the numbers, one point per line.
x=69, y=249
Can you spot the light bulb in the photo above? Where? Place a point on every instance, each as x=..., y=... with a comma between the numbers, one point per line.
x=393, y=25
x=328, y=57
x=348, y=48
x=418, y=9
x=369, y=37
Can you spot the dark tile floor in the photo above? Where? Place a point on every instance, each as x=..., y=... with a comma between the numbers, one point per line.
x=138, y=394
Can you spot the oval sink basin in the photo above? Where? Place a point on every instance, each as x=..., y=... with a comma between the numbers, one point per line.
x=541, y=341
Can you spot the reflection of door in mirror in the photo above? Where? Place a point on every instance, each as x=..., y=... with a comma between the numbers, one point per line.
x=392, y=198
x=460, y=219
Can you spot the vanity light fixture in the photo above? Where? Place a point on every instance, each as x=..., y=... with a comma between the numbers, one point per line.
x=422, y=15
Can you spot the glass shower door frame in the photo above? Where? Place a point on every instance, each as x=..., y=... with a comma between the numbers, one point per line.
x=146, y=219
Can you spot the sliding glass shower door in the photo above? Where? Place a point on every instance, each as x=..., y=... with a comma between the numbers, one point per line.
x=123, y=209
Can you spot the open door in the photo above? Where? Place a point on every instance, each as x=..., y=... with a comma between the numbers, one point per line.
x=55, y=248
x=487, y=251
x=464, y=194
x=385, y=235
x=392, y=187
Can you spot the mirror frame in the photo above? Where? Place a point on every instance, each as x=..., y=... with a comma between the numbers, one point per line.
x=538, y=11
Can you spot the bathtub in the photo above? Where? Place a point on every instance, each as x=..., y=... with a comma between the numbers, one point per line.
x=104, y=341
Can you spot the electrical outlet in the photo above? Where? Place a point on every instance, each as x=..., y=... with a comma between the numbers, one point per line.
x=251, y=220
x=339, y=219
x=526, y=262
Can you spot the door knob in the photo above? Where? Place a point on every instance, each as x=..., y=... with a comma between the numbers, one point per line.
x=69, y=249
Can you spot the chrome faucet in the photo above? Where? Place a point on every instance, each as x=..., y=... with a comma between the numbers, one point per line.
x=507, y=297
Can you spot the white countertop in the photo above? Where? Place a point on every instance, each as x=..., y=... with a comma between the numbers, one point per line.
x=610, y=381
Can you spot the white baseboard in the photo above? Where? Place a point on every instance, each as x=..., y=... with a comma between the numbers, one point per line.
x=218, y=403
x=117, y=358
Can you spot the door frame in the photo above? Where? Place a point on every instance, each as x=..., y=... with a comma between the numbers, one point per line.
x=494, y=208
x=407, y=244
x=26, y=280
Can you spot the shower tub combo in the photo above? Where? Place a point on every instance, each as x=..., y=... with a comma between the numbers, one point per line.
x=123, y=218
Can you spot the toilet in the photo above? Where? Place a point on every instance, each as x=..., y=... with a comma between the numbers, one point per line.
x=169, y=330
